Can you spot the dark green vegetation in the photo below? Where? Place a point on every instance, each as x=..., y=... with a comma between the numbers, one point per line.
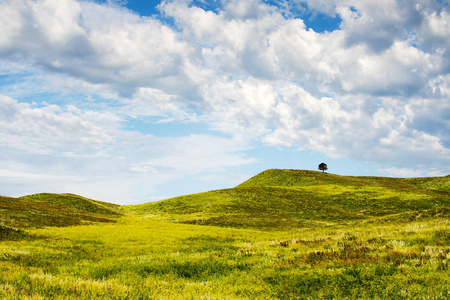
x=283, y=234
x=323, y=167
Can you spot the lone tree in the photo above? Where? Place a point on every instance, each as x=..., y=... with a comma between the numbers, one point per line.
x=323, y=167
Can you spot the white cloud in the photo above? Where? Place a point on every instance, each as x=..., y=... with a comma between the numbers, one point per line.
x=154, y=102
x=9, y=175
x=376, y=89
x=440, y=85
x=374, y=23
x=401, y=70
x=57, y=21
x=439, y=24
x=98, y=44
x=198, y=153
x=42, y=130
x=408, y=173
x=284, y=115
x=245, y=10
x=57, y=149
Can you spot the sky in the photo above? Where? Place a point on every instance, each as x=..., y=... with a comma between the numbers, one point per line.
x=137, y=101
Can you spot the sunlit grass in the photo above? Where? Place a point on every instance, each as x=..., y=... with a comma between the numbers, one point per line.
x=139, y=257
x=344, y=238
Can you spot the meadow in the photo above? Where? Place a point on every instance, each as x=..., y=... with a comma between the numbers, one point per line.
x=283, y=234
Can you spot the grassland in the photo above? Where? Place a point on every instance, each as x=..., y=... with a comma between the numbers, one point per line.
x=283, y=234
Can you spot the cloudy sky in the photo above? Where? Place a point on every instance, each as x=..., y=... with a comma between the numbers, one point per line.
x=135, y=101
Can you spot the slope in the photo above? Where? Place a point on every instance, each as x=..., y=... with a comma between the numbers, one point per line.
x=288, y=199
x=42, y=210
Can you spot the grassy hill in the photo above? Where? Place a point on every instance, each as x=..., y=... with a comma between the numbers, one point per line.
x=289, y=199
x=285, y=178
x=283, y=234
x=41, y=210
x=272, y=200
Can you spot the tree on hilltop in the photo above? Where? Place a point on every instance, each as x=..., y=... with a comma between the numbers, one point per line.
x=323, y=167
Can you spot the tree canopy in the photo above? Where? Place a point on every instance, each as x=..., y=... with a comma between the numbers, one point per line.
x=323, y=167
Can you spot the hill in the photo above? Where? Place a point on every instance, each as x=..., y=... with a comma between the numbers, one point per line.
x=288, y=199
x=297, y=235
x=42, y=210
x=286, y=178
x=272, y=200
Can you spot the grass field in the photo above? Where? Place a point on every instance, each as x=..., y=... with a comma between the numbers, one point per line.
x=283, y=234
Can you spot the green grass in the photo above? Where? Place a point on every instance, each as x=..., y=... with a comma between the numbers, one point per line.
x=284, y=234
x=295, y=199
x=12, y=234
x=54, y=210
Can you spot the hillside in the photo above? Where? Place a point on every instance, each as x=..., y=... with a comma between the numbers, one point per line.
x=286, y=178
x=41, y=210
x=272, y=200
x=287, y=199
x=283, y=234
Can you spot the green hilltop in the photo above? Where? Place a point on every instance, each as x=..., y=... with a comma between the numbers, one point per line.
x=289, y=199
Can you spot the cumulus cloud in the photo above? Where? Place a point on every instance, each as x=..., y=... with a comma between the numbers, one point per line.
x=375, y=89
x=99, y=44
x=60, y=149
x=45, y=129
x=359, y=127
x=368, y=71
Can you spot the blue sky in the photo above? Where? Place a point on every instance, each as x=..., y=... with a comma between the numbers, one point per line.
x=316, y=20
x=136, y=101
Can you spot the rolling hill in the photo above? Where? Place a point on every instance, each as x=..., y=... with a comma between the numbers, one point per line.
x=282, y=234
x=45, y=209
x=272, y=200
x=287, y=199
